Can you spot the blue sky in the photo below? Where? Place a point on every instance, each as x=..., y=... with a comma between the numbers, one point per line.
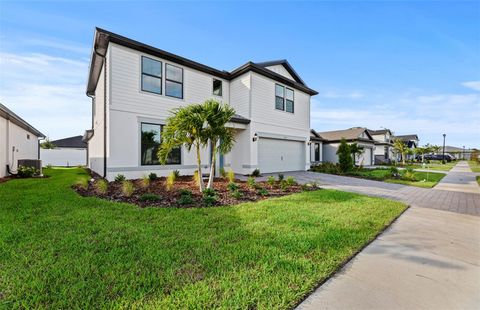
x=413, y=67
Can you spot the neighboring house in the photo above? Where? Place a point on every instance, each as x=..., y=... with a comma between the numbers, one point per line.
x=18, y=140
x=359, y=135
x=411, y=141
x=316, y=144
x=384, y=152
x=134, y=86
x=457, y=152
x=68, y=152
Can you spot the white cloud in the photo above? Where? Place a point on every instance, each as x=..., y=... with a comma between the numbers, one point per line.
x=475, y=85
x=48, y=91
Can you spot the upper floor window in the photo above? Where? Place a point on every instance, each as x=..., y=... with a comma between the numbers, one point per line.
x=28, y=136
x=173, y=81
x=151, y=75
x=279, y=97
x=289, y=100
x=217, y=87
x=284, y=99
x=150, y=142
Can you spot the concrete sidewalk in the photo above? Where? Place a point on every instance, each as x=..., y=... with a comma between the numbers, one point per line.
x=459, y=179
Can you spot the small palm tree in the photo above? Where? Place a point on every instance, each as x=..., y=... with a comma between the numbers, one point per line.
x=401, y=147
x=221, y=138
x=436, y=148
x=47, y=144
x=355, y=150
x=184, y=127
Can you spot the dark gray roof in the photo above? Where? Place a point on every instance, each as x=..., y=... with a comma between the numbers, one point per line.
x=407, y=137
x=17, y=120
x=103, y=37
x=286, y=65
x=239, y=119
x=74, y=142
x=347, y=134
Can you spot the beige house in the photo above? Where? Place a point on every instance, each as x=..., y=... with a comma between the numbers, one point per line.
x=359, y=135
x=384, y=152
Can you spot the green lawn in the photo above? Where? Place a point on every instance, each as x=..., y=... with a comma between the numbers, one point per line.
x=61, y=250
x=422, y=179
x=475, y=166
x=434, y=165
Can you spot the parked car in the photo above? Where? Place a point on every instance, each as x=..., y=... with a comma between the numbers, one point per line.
x=446, y=157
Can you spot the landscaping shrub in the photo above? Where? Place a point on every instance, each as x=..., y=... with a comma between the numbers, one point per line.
x=209, y=197
x=345, y=159
x=120, y=178
x=280, y=177
x=82, y=183
x=256, y=173
x=101, y=186
x=290, y=181
x=26, y=172
x=176, y=173
x=185, y=197
x=145, y=182
x=127, y=188
x=271, y=180
x=262, y=192
x=283, y=185
x=170, y=180
x=409, y=175
x=49, y=166
x=150, y=197
x=394, y=171
x=237, y=194
x=231, y=176
x=152, y=176
x=232, y=187
x=326, y=167
x=251, y=182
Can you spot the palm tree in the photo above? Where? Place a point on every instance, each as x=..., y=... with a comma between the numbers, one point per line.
x=47, y=144
x=185, y=127
x=355, y=150
x=436, y=148
x=221, y=138
x=401, y=147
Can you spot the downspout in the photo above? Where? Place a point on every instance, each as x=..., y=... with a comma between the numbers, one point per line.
x=105, y=118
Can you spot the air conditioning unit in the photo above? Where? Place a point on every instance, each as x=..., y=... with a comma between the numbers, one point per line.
x=35, y=163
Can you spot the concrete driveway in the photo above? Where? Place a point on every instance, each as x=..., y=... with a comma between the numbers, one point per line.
x=428, y=259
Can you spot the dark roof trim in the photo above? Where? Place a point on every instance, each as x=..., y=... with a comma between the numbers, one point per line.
x=316, y=136
x=103, y=37
x=87, y=135
x=239, y=119
x=379, y=132
x=17, y=120
x=407, y=137
x=351, y=140
x=287, y=67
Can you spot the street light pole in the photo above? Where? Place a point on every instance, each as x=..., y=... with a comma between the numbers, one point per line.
x=443, y=156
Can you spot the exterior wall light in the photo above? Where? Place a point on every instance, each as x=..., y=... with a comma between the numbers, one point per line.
x=255, y=137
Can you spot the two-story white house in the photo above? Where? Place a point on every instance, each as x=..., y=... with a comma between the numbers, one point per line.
x=134, y=87
x=384, y=152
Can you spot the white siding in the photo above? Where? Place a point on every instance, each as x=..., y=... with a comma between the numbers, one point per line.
x=365, y=159
x=280, y=69
x=126, y=86
x=66, y=157
x=24, y=142
x=240, y=94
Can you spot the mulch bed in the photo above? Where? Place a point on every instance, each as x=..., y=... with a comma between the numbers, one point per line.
x=170, y=198
x=5, y=179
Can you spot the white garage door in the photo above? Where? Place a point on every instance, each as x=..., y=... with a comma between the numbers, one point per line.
x=366, y=158
x=280, y=155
